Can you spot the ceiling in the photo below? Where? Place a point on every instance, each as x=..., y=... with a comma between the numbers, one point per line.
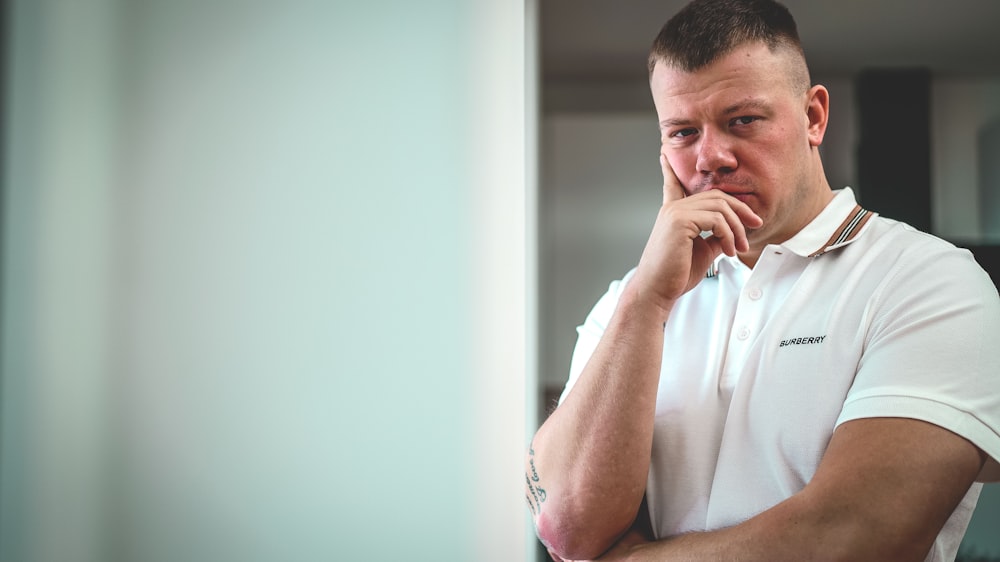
x=604, y=40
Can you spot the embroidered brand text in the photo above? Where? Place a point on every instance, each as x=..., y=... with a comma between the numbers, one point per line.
x=802, y=341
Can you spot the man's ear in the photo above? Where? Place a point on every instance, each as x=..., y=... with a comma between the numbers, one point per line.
x=817, y=113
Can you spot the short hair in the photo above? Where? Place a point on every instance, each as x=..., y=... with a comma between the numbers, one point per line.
x=706, y=30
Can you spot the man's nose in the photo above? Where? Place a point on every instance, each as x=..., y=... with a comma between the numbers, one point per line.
x=715, y=153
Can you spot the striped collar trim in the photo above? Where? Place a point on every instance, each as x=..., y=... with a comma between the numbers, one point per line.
x=713, y=270
x=847, y=232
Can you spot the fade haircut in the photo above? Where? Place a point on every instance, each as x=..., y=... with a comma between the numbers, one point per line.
x=706, y=30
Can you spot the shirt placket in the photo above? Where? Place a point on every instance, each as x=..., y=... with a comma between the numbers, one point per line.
x=753, y=308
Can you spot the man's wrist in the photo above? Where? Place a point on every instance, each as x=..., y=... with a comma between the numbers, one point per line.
x=642, y=306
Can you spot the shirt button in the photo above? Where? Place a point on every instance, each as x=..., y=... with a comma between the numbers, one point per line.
x=744, y=333
x=755, y=293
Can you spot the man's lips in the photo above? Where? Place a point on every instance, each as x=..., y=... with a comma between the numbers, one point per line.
x=744, y=197
x=740, y=193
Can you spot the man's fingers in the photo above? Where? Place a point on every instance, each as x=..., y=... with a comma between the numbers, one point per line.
x=725, y=217
x=721, y=228
x=672, y=190
x=722, y=218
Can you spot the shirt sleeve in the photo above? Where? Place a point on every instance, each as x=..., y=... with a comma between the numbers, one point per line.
x=932, y=352
x=590, y=332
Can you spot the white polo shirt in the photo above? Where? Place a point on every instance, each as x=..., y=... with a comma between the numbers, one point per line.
x=856, y=316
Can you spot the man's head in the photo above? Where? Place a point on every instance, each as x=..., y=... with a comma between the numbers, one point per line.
x=705, y=30
x=737, y=113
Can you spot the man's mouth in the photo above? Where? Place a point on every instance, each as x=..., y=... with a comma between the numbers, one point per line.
x=731, y=185
x=743, y=196
x=740, y=192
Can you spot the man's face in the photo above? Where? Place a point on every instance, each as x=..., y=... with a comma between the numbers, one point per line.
x=738, y=125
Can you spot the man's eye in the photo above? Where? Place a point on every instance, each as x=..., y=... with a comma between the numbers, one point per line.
x=745, y=120
x=684, y=133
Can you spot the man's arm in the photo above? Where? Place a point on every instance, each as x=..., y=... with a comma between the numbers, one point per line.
x=883, y=491
x=587, y=466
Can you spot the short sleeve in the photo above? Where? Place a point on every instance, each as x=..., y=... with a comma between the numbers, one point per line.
x=590, y=332
x=931, y=351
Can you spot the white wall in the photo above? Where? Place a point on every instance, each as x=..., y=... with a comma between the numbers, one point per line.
x=263, y=282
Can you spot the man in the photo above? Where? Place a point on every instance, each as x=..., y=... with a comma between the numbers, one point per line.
x=827, y=391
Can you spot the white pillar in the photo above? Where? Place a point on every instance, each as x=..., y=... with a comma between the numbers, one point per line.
x=264, y=282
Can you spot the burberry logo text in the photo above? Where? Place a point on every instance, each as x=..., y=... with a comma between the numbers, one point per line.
x=802, y=341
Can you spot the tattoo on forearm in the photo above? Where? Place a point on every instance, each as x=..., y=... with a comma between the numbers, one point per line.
x=532, y=480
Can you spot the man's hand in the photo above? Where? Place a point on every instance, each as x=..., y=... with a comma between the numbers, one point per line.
x=625, y=548
x=676, y=256
x=620, y=552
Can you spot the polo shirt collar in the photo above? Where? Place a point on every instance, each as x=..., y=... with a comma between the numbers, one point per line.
x=837, y=225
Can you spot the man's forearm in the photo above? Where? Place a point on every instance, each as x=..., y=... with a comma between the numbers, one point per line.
x=883, y=491
x=748, y=542
x=780, y=534
x=587, y=467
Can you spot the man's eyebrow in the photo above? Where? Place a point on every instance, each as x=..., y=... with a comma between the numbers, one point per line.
x=752, y=104
x=674, y=122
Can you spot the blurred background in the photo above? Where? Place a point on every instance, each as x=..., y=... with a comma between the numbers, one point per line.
x=263, y=281
x=914, y=129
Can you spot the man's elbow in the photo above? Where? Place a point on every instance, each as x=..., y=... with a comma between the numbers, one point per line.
x=571, y=540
